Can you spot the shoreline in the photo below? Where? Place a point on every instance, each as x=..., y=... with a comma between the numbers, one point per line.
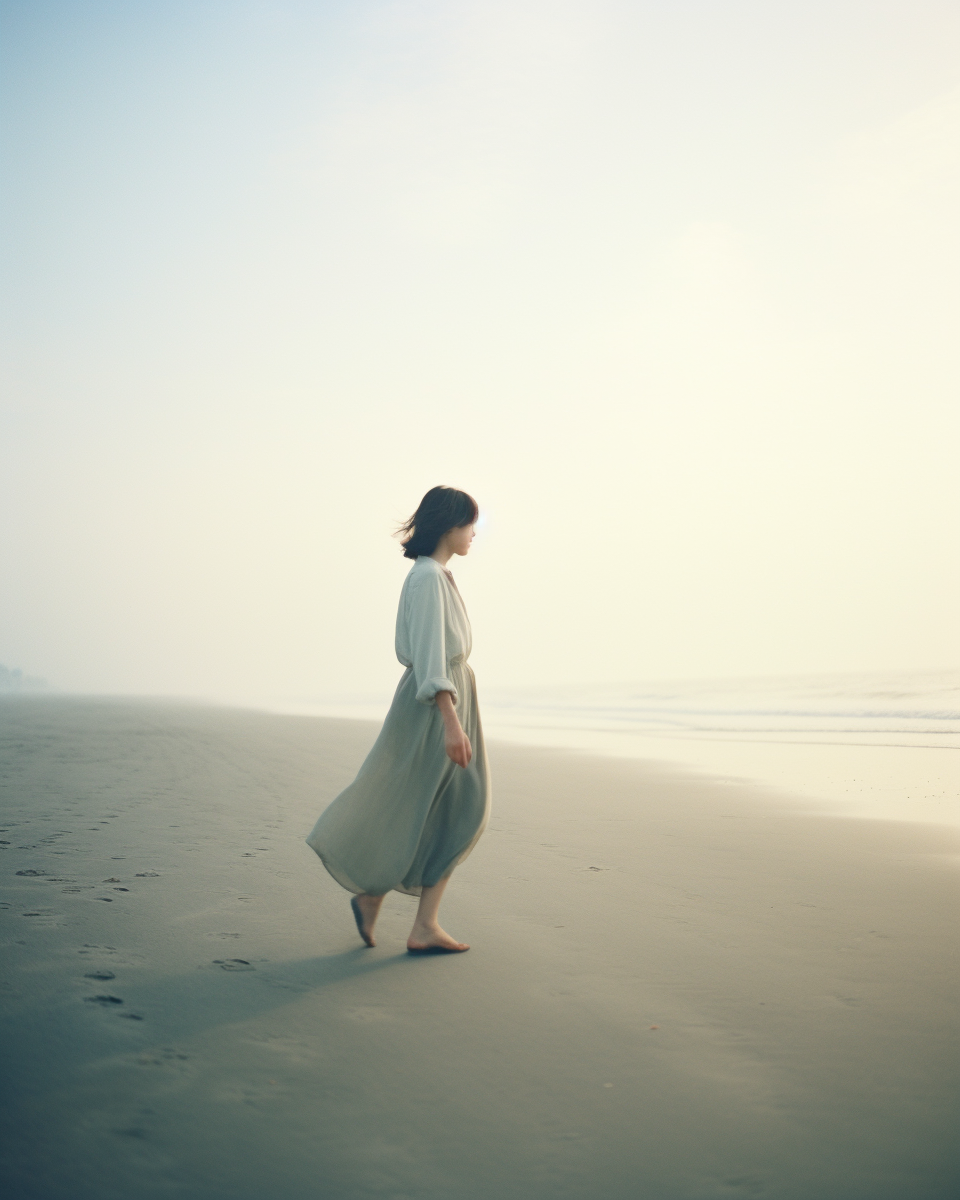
x=871, y=779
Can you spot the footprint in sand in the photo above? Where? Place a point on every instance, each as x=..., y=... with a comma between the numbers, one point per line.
x=47, y=916
x=234, y=964
x=165, y=1056
x=101, y=975
x=107, y=1001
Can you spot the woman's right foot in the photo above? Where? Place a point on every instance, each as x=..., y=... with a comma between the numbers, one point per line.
x=365, y=909
x=433, y=941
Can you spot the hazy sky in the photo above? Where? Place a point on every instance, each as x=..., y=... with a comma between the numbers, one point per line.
x=670, y=286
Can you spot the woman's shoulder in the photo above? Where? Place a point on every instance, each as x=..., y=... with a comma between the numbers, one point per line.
x=425, y=572
x=424, y=568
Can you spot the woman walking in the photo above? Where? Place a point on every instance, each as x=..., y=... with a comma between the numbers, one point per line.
x=421, y=799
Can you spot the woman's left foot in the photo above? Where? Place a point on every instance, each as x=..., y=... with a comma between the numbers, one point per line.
x=365, y=909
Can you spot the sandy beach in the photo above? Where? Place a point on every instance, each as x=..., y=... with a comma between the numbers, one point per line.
x=678, y=988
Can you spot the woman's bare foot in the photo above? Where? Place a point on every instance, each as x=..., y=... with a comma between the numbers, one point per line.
x=426, y=939
x=365, y=909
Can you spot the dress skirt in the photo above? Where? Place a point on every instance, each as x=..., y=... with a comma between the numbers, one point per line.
x=411, y=815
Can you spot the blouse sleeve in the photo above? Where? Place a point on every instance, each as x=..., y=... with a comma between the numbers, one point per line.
x=426, y=626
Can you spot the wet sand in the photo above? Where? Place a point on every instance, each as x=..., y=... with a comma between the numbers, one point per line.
x=677, y=988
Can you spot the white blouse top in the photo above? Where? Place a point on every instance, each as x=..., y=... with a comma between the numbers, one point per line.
x=433, y=631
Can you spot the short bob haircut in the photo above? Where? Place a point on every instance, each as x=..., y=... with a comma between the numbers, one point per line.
x=441, y=509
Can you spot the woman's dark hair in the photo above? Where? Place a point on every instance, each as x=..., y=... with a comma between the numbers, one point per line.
x=441, y=509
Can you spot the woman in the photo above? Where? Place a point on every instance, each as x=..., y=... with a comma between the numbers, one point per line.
x=421, y=799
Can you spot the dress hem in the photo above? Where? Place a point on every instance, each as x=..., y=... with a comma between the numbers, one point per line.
x=350, y=885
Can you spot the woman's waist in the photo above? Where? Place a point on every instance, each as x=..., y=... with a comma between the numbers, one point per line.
x=457, y=662
x=460, y=660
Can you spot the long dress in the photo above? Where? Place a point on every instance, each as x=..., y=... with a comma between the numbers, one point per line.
x=412, y=815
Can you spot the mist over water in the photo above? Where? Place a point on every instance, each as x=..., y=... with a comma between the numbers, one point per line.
x=882, y=709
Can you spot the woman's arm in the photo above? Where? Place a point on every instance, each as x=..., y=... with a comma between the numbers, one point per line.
x=426, y=629
x=457, y=743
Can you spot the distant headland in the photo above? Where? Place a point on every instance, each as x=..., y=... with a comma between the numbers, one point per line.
x=14, y=680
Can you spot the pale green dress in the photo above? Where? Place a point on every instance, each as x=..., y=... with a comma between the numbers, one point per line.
x=411, y=815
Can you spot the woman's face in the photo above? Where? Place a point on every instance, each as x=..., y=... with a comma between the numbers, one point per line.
x=461, y=537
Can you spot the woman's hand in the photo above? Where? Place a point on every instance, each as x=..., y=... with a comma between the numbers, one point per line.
x=458, y=746
x=456, y=742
